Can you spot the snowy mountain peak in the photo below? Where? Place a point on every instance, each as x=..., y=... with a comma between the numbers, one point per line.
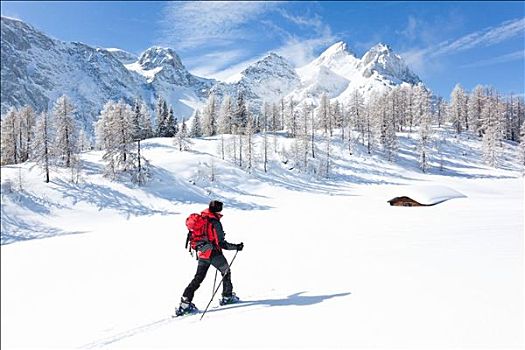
x=268, y=79
x=272, y=65
x=381, y=48
x=382, y=60
x=338, y=49
x=123, y=56
x=160, y=57
x=20, y=36
x=336, y=56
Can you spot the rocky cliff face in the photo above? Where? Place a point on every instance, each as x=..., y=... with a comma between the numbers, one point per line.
x=37, y=69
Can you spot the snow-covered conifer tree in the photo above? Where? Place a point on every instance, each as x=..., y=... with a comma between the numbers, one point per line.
x=65, y=129
x=225, y=116
x=162, y=116
x=403, y=103
x=140, y=172
x=313, y=126
x=115, y=128
x=440, y=110
x=282, y=112
x=145, y=127
x=209, y=118
x=291, y=118
x=475, y=107
x=356, y=115
x=171, y=123
x=457, y=107
x=514, y=114
x=41, y=145
x=369, y=127
x=274, y=120
x=336, y=116
x=9, y=139
x=83, y=142
x=323, y=113
x=181, y=139
x=491, y=126
x=27, y=119
x=267, y=110
x=326, y=164
x=135, y=120
x=303, y=142
x=388, y=135
x=249, y=144
x=424, y=117
x=196, y=127
x=393, y=108
x=240, y=114
x=522, y=147
x=375, y=111
x=519, y=111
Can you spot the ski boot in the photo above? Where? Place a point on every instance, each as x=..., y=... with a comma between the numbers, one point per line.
x=185, y=307
x=229, y=299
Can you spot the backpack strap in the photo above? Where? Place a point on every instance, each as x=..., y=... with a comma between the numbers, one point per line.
x=188, y=237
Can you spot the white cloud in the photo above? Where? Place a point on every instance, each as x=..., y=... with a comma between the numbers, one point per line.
x=487, y=37
x=232, y=73
x=209, y=64
x=192, y=24
x=513, y=56
x=483, y=38
x=411, y=32
x=420, y=59
x=300, y=50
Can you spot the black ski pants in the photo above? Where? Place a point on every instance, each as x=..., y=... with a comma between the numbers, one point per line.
x=218, y=261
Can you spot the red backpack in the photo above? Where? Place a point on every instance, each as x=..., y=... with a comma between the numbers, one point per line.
x=198, y=230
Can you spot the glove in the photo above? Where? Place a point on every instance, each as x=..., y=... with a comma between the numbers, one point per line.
x=240, y=246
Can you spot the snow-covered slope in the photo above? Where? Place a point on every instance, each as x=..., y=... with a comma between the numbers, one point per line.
x=327, y=262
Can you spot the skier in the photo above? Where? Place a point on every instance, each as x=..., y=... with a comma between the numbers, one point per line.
x=209, y=252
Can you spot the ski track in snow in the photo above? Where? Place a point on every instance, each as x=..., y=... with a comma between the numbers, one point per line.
x=100, y=343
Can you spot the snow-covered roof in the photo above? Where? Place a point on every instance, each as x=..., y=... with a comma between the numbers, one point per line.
x=427, y=194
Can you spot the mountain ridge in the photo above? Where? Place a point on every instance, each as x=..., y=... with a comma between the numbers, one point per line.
x=36, y=69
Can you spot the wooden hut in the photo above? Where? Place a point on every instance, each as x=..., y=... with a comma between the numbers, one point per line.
x=406, y=202
x=426, y=195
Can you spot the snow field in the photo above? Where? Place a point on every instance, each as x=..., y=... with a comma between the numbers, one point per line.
x=326, y=263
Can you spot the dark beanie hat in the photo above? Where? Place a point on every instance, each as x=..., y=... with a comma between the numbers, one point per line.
x=215, y=206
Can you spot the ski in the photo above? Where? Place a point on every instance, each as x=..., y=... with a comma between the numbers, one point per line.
x=186, y=314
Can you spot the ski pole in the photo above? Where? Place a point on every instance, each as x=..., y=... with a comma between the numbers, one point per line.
x=215, y=280
x=215, y=292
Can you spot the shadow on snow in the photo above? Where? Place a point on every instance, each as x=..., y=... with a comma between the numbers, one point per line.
x=16, y=230
x=295, y=299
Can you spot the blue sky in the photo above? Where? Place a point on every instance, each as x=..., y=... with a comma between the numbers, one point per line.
x=443, y=42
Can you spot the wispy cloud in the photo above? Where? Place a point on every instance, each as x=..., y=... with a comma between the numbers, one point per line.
x=412, y=30
x=484, y=38
x=421, y=58
x=220, y=39
x=193, y=24
x=513, y=56
x=301, y=49
x=210, y=64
